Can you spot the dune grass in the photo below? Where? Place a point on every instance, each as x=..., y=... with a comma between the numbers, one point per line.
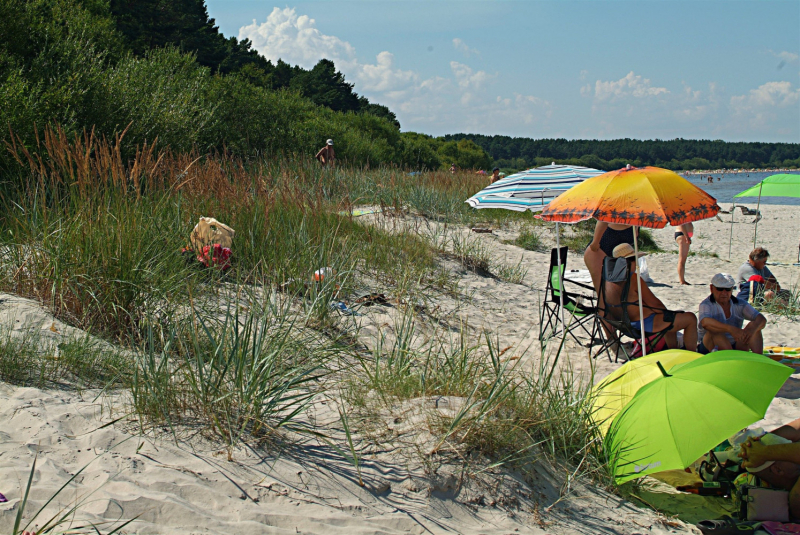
x=504, y=412
x=242, y=354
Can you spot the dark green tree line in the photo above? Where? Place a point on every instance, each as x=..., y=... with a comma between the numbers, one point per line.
x=519, y=152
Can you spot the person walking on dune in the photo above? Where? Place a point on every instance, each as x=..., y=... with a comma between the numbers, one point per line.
x=326, y=155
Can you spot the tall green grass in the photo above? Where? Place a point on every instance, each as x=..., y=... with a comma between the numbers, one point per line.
x=246, y=373
x=243, y=354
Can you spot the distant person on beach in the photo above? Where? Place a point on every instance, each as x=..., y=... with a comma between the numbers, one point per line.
x=606, y=237
x=756, y=281
x=683, y=237
x=495, y=175
x=721, y=317
x=326, y=155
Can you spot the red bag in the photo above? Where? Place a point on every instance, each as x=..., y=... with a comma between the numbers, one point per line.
x=661, y=345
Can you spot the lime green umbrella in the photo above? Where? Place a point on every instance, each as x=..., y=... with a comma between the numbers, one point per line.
x=675, y=419
x=780, y=185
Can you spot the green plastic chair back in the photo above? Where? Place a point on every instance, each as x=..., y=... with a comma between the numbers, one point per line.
x=569, y=305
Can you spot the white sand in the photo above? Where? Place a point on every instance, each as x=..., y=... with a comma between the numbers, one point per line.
x=191, y=487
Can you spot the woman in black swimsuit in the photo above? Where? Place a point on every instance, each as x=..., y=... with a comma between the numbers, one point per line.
x=683, y=237
x=606, y=237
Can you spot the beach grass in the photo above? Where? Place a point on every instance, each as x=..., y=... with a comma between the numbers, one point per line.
x=242, y=354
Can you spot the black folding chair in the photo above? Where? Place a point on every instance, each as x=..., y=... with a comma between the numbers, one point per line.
x=615, y=284
x=579, y=308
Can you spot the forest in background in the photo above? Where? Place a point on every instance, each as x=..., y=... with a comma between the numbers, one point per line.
x=161, y=72
x=523, y=153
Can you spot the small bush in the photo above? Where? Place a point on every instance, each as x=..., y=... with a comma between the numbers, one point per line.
x=529, y=240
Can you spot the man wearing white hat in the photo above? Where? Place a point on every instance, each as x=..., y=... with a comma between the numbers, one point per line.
x=721, y=317
x=326, y=156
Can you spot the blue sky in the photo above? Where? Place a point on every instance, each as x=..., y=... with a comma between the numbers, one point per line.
x=603, y=69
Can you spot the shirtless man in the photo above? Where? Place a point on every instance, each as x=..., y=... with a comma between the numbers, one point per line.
x=326, y=156
x=652, y=307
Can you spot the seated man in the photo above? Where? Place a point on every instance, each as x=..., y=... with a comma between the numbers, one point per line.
x=775, y=459
x=722, y=316
x=755, y=271
x=652, y=307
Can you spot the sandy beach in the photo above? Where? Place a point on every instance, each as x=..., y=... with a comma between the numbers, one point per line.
x=188, y=484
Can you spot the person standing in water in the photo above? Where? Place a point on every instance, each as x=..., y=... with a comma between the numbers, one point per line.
x=683, y=237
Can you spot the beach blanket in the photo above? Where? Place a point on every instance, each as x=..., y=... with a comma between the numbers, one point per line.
x=360, y=212
x=659, y=492
x=790, y=356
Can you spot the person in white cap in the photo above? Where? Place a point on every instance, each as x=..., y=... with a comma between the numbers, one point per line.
x=721, y=317
x=652, y=315
x=326, y=155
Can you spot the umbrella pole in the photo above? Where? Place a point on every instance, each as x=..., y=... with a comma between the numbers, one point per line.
x=755, y=232
x=560, y=278
x=639, y=286
x=730, y=243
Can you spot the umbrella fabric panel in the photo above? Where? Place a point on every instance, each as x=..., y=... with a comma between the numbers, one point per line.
x=647, y=197
x=618, y=388
x=673, y=420
x=507, y=203
x=658, y=440
x=782, y=185
x=531, y=189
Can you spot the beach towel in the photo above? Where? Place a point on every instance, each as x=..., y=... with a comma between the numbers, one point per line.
x=778, y=528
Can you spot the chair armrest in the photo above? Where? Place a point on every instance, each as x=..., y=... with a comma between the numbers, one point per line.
x=582, y=285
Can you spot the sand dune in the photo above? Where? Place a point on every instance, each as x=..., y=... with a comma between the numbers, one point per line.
x=189, y=485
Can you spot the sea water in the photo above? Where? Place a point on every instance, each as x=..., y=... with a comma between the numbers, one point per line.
x=730, y=184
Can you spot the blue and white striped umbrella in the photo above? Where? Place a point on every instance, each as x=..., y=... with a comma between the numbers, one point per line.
x=532, y=189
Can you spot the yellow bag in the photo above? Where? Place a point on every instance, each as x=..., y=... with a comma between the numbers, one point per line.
x=209, y=231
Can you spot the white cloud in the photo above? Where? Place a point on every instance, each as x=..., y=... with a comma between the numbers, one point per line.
x=631, y=85
x=761, y=107
x=383, y=76
x=294, y=39
x=462, y=47
x=788, y=57
x=634, y=107
x=461, y=100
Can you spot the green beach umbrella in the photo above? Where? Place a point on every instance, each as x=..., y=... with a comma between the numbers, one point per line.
x=780, y=185
x=672, y=421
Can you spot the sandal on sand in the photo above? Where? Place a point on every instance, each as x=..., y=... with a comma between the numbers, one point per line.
x=725, y=526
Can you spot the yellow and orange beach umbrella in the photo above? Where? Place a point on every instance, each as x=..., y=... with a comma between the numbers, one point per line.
x=640, y=196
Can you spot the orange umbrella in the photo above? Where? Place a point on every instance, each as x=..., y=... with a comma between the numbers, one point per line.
x=644, y=197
